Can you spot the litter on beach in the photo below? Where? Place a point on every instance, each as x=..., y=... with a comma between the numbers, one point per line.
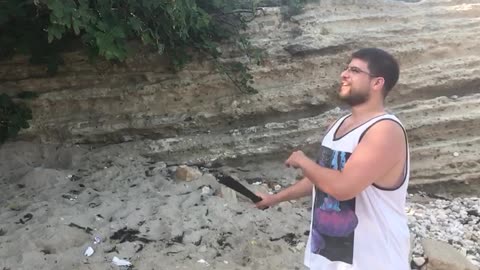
x=89, y=252
x=120, y=262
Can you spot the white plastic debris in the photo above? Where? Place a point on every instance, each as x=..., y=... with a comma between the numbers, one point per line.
x=257, y=183
x=89, y=252
x=456, y=154
x=278, y=187
x=97, y=240
x=225, y=262
x=120, y=262
x=203, y=261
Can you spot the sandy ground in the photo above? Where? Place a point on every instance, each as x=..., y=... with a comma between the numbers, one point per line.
x=51, y=215
x=55, y=202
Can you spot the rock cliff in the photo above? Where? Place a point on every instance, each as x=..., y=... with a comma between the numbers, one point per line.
x=197, y=114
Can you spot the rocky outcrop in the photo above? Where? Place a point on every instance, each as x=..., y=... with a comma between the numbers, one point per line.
x=197, y=115
x=441, y=256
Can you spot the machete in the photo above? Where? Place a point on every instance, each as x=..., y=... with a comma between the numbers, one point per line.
x=228, y=181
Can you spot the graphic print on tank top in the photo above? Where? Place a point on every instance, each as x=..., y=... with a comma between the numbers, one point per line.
x=334, y=221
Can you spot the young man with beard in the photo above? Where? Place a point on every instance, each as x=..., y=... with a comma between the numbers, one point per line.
x=359, y=180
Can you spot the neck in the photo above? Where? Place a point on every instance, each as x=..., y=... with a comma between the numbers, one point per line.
x=367, y=110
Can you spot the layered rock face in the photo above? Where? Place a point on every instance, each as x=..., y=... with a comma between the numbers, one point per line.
x=198, y=115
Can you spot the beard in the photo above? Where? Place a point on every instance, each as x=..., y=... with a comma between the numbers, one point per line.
x=354, y=98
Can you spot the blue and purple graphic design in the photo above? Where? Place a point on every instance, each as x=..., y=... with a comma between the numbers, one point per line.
x=334, y=221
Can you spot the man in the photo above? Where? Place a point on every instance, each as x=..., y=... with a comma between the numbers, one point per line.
x=359, y=180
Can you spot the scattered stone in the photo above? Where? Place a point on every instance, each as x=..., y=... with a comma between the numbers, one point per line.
x=442, y=256
x=450, y=221
x=412, y=246
x=185, y=173
x=202, y=261
x=300, y=246
x=206, y=190
x=419, y=261
x=228, y=194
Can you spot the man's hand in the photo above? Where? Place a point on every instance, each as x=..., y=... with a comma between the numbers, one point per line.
x=267, y=201
x=295, y=159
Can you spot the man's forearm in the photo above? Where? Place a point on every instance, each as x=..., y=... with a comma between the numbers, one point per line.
x=328, y=180
x=298, y=190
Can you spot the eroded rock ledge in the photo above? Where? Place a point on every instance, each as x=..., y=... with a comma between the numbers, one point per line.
x=198, y=115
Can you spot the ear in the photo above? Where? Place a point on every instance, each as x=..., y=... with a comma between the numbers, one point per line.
x=379, y=83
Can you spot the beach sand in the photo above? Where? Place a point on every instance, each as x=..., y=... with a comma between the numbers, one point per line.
x=54, y=202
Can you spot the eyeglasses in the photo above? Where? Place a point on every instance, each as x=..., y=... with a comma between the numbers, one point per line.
x=356, y=70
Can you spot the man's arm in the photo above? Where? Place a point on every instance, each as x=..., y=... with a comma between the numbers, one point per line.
x=380, y=150
x=298, y=190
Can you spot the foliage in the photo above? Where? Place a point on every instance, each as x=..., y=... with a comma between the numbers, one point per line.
x=44, y=29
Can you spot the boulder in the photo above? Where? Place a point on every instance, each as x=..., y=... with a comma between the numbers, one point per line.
x=442, y=256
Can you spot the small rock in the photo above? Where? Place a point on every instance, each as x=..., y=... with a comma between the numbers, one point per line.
x=456, y=154
x=202, y=261
x=412, y=245
x=300, y=246
x=419, y=261
x=228, y=194
x=185, y=173
x=206, y=190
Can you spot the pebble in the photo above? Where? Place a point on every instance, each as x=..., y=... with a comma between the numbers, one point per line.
x=300, y=246
x=206, y=190
x=419, y=261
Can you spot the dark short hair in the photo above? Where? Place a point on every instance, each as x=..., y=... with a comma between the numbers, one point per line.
x=380, y=64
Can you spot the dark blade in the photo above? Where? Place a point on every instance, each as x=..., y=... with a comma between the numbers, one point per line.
x=235, y=185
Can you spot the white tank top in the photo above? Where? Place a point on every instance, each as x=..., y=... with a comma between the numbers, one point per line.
x=368, y=232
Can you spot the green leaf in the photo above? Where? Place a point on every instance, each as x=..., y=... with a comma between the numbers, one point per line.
x=135, y=23
x=117, y=32
x=76, y=28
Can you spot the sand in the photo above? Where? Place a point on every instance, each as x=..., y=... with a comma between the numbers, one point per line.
x=58, y=201
x=50, y=215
